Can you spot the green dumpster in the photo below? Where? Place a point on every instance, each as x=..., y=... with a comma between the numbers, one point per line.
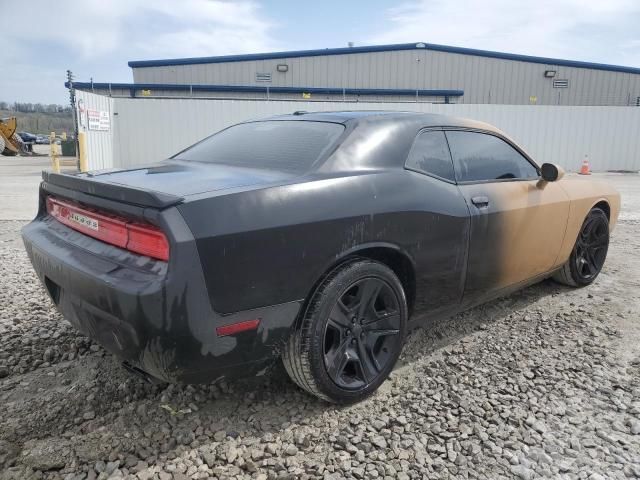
x=68, y=148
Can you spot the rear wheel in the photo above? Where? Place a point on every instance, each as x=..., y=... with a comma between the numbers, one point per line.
x=589, y=252
x=351, y=334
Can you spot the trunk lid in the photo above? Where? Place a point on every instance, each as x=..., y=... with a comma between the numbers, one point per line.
x=167, y=183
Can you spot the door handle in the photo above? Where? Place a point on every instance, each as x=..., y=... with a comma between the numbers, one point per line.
x=480, y=201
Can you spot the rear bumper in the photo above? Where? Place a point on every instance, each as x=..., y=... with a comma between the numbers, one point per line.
x=154, y=315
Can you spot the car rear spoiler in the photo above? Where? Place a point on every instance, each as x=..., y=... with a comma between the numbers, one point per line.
x=82, y=183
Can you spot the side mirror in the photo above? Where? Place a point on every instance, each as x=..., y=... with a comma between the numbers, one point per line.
x=551, y=172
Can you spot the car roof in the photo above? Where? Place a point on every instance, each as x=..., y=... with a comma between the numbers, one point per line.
x=387, y=116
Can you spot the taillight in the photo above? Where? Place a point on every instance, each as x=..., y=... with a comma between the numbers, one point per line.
x=134, y=236
x=109, y=229
x=147, y=240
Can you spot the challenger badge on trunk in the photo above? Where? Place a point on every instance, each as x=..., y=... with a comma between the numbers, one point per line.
x=92, y=223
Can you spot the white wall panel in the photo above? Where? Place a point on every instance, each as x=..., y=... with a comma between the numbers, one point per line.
x=99, y=144
x=146, y=130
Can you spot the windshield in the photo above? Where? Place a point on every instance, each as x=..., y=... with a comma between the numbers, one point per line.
x=274, y=144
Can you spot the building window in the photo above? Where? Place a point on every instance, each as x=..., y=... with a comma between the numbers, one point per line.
x=263, y=77
x=561, y=83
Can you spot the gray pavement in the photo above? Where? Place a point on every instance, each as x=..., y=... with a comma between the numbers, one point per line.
x=19, y=180
x=544, y=383
x=628, y=184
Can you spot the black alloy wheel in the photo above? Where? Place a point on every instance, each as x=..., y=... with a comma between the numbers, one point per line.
x=351, y=333
x=361, y=333
x=591, y=247
x=589, y=251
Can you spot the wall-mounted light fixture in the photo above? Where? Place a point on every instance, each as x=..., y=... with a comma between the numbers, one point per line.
x=282, y=67
x=549, y=73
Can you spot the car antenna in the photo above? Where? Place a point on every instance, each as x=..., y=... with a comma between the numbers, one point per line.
x=300, y=112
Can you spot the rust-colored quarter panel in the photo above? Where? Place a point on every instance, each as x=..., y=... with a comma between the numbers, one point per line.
x=584, y=194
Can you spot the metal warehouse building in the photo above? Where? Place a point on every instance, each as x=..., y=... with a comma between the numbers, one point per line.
x=420, y=72
x=560, y=111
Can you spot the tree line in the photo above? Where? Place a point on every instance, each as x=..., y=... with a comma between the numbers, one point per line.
x=24, y=107
x=39, y=118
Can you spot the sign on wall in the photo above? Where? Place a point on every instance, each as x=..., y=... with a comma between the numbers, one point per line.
x=98, y=120
x=82, y=118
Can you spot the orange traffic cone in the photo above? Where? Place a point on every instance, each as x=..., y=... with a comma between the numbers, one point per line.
x=585, y=170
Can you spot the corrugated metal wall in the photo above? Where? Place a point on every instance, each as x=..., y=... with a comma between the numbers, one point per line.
x=99, y=143
x=483, y=79
x=146, y=130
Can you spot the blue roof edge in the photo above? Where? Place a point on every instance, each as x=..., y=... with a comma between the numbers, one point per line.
x=263, y=89
x=270, y=55
x=383, y=48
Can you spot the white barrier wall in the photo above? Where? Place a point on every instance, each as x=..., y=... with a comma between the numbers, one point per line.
x=99, y=143
x=150, y=129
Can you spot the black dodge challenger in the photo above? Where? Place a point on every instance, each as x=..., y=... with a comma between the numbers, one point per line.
x=318, y=238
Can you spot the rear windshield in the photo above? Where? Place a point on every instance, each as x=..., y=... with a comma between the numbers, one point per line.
x=275, y=144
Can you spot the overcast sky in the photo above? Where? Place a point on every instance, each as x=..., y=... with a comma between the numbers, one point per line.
x=96, y=38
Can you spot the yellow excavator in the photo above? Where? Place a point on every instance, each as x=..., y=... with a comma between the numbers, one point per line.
x=10, y=142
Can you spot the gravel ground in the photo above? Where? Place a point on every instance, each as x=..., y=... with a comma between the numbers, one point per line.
x=542, y=384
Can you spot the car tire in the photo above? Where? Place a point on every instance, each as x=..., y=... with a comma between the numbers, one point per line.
x=349, y=337
x=589, y=252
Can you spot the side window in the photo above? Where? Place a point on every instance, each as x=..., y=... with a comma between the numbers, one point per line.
x=479, y=156
x=430, y=154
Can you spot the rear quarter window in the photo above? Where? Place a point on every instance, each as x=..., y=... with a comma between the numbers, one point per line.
x=291, y=146
x=430, y=155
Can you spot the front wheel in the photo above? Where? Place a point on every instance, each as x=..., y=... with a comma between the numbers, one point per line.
x=351, y=334
x=589, y=252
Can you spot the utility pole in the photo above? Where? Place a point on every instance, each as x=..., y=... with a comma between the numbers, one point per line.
x=74, y=113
